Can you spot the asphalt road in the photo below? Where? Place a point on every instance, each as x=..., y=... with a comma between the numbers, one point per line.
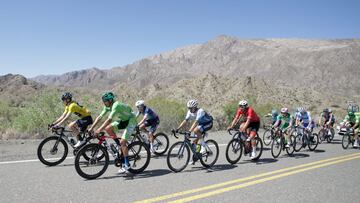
x=329, y=174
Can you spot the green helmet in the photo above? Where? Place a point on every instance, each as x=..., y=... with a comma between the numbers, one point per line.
x=351, y=113
x=108, y=96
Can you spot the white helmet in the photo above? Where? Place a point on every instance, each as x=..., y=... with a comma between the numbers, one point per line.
x=330, y=111
x=192, y=103
x=243, y=103
x=284, y=110
x=301, y=109
x=140, y=103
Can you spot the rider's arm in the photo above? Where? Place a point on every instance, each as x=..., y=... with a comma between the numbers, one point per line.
x=143, y=120
x=276, y=123
x=60, y=118
x=67, y=115
x=103, y=126
x=95, y=122
x=194, y=126
x=182, y=124
x=246, y=125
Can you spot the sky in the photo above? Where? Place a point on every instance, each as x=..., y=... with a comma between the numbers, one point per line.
x=42, y=37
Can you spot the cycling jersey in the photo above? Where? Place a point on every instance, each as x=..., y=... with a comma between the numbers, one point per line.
x=327, y=117
x=77, y=109
x=250, y=114
x=305, y=117
x=353, y=120
x=119, y=110
x=284, y=121
x=151, y=115
x=200, y=116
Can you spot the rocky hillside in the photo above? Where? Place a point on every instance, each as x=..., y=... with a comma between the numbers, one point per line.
x=16, y=88
x=329, y=66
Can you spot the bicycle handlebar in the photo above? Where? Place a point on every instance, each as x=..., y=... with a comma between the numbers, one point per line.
x=180, y=132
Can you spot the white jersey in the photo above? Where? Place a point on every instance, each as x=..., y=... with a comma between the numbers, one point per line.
x=200, y=116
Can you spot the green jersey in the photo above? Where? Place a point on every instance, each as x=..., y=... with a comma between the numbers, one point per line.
x=353, y=119
x=284, y=121
x=119, y=110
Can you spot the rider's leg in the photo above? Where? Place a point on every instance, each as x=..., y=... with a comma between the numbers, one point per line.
x=75, y=129
x=356, y=137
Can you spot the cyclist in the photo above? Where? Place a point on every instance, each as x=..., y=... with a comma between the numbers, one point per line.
x=327, y=118
x=203, y=122
x=274, y=114
x=120, y=117
x=252, y=123
x=150, y=119
x=284, y=123
x=353, y=121
x=79, y=125
x=303, y=118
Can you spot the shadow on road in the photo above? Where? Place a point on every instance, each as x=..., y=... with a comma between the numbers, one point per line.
x=319, y=151
x=218, y=167
x=265, y=161
x=300, y=155
x=266, y=148
x=130, y=176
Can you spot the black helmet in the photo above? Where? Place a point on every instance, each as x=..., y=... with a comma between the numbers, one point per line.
x=66, y=95
x=326, y=110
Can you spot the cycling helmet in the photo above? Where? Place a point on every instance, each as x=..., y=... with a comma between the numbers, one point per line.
x=284, y=110
x=108, y=96
x=330, y=111
x=351, y=114
x=139, y=103
x=192, y=103
x=326, y=110
x=66, y=95
x=301, y=109
x=243, y=103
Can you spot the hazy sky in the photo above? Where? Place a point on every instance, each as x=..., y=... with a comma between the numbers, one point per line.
x=54, y=37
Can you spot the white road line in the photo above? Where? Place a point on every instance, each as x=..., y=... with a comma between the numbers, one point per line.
x=37, y=160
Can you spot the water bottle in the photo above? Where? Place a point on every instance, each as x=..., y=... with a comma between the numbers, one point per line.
x=72, y=141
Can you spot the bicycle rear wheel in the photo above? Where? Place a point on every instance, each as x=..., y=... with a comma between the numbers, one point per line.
x=276, y=147
x=267, y=137
x=313, y=141
x=52, y=151
x=322, y=135
x=345, y=141
x=139, y=157
x=211, y=154
x=234, y=151
x=161, y=143
x=178, y=156
x=93, y=167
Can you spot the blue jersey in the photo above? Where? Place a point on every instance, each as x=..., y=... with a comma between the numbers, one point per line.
x=149, y=113
x=200, y=116
x=305, y=117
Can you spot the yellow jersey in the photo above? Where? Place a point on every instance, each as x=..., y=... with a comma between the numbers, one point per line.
x=77, y=109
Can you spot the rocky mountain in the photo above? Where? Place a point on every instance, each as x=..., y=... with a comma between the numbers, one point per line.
x=16, y=88
x=329, y=66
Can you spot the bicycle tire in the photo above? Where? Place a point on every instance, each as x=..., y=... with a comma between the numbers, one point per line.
x=290, y=151
x=331, y=137
x=94, y=148
x=345, y=141
x=299, y=141
x=235, y=145
x=276, y=144
x=315, y=139
x=259, y=149
x=45, y=141
x=164, y=142
x=179, y=154
x=322, y=135
x=135, y=156
x=267, y=137
x=208, y=165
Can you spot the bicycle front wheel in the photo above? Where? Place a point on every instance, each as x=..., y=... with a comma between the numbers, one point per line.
x=345, y=141
x=161, y=143
x=291, y=149
x=276, y=147
x=178, y=156
x=93, y=167
x=313, y=141
x=210, y=154
x=322, y=135
x=52, y=151
x=267, y=137
x=331, y=136
x=299, y=142
x=139, y=157
x=234, y=151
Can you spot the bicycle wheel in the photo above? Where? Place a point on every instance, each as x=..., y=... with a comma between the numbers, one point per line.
x=276, y=147
x=291, y=149
x=135, y=138
x=259, y=148
x=299, y=142
x=138, y=159
x=331, y=136
x=210, y=154
x=345, y=141
x=234, y=151
x=322, y=135
x=92, y=168
x=52, y=150
x=267, y=137
x=178, y=156
x=313, y=141
x=161, y=143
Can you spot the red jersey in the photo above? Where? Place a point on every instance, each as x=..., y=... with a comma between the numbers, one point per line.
x=249, y=114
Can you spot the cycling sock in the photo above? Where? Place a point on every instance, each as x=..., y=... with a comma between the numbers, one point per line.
x=126, y=161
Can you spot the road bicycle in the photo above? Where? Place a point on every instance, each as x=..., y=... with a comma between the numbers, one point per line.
x=161, y=141
x=305, y=138
x=279, y=144
x=179, y=153
x=348, y=137
x=53, y=150
x=241, y=143
x=268, y=136
x=98, y=157
x=326, y=133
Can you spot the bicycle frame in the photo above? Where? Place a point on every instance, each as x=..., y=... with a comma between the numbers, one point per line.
x=187, y=136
